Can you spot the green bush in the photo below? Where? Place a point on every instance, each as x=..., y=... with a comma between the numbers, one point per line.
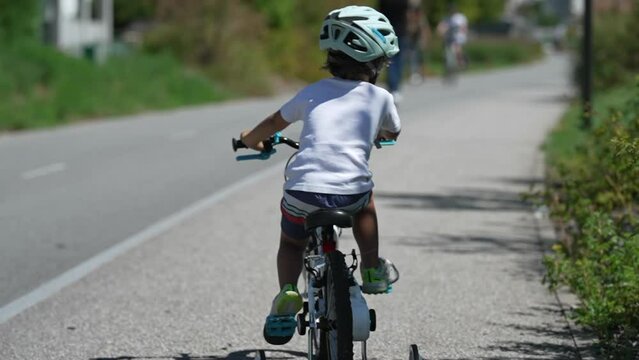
x=483, y=53
x=593, y=194
x=45, y=87
x=19, y=20
x=495, y=52
x=604, y=273
x=223, y=39
x=616, y=49
x=245, y=44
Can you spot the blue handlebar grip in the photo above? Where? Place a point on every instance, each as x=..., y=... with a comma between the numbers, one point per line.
x=380, y=143
x=260, y=156
x=277, y=138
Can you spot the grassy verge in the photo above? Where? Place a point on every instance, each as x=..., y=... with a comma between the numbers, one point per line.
x=567, y=138
x=44, y=87
x=593, y=194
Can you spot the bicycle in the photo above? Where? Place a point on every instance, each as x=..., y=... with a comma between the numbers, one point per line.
x=335, y=313
x=451, y=63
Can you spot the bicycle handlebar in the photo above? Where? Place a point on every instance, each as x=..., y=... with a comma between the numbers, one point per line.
x=278, y=139
x=384, y=142
x=269, y=149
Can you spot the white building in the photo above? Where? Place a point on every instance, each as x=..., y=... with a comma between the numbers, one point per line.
x=79, y=27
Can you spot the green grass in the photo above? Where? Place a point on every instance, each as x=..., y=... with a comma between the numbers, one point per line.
x=565, y=139
x=44, y=87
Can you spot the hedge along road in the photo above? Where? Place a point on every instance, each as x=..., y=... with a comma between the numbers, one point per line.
x=200, y=282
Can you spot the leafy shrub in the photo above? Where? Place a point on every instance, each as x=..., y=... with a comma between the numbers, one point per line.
x=245, y=44
x=604, y=273
x=616, y=49
x=594, y=198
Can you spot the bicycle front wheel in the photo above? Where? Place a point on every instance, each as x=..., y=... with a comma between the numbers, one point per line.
x=336, y=332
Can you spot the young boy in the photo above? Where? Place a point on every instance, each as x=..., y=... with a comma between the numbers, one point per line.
x=342, y=116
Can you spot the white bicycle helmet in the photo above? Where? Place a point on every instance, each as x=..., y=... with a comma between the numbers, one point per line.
x=360, y=32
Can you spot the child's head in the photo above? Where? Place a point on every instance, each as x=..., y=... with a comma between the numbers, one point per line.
x=359, y=40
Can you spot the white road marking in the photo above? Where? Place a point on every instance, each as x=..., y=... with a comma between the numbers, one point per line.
x=183, y=135
x=81, y=270
x=44, y=171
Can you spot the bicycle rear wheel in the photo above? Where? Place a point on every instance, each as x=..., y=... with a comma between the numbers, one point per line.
x=336, y=333
x=451, y=65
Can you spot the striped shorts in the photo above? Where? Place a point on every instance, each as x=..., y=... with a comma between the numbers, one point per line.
x=296, y=205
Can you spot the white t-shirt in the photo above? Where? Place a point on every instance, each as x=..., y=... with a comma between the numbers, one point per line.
x=341, y=120
x=459, y=23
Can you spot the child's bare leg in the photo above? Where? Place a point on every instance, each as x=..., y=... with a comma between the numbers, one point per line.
x=290, y=259
x=365, y=232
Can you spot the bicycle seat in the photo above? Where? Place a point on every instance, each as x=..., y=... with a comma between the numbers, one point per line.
x=328, y=217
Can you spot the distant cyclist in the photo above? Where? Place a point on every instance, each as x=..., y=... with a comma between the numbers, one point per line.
x=342, y=117
x=454, y=30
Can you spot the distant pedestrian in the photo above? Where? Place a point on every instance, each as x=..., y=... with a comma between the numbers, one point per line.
x=396, y=11
x=418, y=36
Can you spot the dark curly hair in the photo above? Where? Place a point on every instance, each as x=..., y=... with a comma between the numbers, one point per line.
x=343, y=66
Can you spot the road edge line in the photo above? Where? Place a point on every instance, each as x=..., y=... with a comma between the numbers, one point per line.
x=83, y=269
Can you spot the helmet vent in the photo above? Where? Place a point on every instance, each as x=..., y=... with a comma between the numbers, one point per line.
x=352, y=41
x=354, y=18
x=324, y=34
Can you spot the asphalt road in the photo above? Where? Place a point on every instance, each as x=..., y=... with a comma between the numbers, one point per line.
x=200, y=284
x=71, y=193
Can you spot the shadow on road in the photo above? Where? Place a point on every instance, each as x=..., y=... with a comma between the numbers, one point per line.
x=462, y=199
x=535, y=350
x=516, y=238
x=457, y=244
x=538, y=349
x=534, y=180
x=236, y=355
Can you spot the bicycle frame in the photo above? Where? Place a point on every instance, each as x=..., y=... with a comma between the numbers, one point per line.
x=315, y=265
x=323, y=240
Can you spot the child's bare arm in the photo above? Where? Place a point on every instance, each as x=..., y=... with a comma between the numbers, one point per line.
x=269, y=126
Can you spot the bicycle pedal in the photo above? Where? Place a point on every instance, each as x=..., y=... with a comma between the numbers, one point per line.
x=279, y=329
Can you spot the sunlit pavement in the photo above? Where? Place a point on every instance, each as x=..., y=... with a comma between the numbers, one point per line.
x=451, y=218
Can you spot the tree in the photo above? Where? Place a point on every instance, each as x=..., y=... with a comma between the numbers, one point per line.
x=19, y=20
x=127, y=11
